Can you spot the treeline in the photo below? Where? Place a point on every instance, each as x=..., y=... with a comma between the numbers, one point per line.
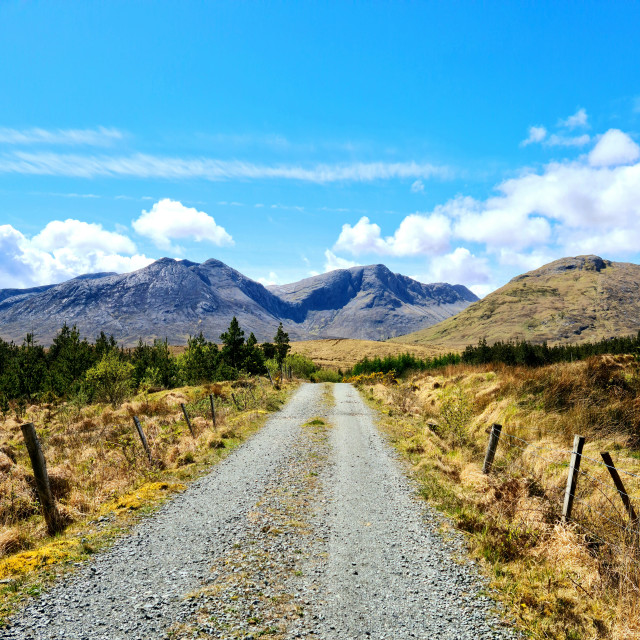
x=510, y=353
x=74, y=367
x=402, y=363
x=537, y=355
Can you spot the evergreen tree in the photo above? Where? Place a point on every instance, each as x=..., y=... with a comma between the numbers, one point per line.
x=268, y=350
x=233, y=341
x=253, y=362
x=68, y=359
x=104, y=345
x=281, y=342
x=30, y=367
x=200, y=360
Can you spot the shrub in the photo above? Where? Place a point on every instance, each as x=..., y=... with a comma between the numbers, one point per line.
x=455, y=413
x=111, y=379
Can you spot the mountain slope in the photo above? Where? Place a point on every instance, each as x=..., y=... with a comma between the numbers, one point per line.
x=178, y=298
x=576, y=299
x=370, y=303
x=169, y=298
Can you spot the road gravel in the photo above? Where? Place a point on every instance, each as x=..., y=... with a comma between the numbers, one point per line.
x=311, y=529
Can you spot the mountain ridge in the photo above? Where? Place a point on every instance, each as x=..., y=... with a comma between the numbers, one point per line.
x=177, y=298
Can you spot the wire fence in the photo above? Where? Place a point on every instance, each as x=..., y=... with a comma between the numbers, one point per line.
x=598, y=498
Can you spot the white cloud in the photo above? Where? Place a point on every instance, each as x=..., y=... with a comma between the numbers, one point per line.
x=170, y=220
x=556, y=140
x=63, y=250
x=496, y=222
x=270, y=280
x=460, y=267
x=333, y=262
x=81, y=237
x=417, y=234
x=147, y=166
x=536, y=134
x=539, y=134
x=578, y=119
x=101, y=136
x=526, y=261
x=363, y=237
x=588, y=205
x=614, y=148
x=417, y=187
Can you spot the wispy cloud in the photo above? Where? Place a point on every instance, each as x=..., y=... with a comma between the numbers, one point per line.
x=99, y=137
x=536, y=134
x=557, y=140
x=149, y=166
x=578, y=119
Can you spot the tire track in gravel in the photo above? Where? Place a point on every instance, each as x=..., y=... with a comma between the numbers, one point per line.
x=381, y=569
x=137, y=589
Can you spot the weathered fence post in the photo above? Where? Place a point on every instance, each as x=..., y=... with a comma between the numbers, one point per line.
x=55, y=523
x=491, y=448
x=186, y=417
x=270, y=378
x=213, y=410
x=619, y=486
x=143, y=438
x=235, y=401
x=572, y=478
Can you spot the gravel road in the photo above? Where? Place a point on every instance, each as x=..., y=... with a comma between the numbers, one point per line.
x=310, y=529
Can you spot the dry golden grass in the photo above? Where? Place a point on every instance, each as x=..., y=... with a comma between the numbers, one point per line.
x=98, y=468
x=559, y=581
x=343, y=353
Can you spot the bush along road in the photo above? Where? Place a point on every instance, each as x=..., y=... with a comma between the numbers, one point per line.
x=309, y=530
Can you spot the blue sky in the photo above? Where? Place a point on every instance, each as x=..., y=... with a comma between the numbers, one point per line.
x=461, y=142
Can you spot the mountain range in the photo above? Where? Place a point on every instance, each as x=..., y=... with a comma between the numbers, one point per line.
x=177, y=298
x=580, y=299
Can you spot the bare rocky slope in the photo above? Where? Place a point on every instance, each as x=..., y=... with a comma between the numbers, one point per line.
x=579, y=299
x=178, y=298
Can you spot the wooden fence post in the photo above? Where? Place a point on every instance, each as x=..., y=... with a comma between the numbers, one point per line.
x=143, y=438
x=619, y=486
x=270, y=378
x=235, y=401
x=55, y=523
x=186, y=417
x=572, y=478
x=213, y=410
x=491, y=448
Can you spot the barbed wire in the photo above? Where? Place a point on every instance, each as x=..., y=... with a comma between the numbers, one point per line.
x=621, y=551
x=570, y=451
x=615, y=529
x=601, y=514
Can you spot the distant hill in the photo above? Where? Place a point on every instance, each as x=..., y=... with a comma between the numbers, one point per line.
x=576, y=299
x=178, y=298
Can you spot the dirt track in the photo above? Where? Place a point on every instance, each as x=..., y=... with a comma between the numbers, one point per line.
x=308, y=530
